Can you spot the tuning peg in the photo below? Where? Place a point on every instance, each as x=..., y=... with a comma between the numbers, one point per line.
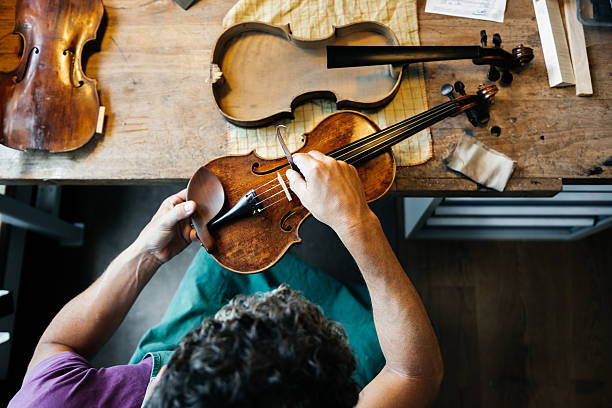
x=447, y=90
x=459, y=87
x=497, y=40
x=493, y=74
x=483, y=38
x=506, y=78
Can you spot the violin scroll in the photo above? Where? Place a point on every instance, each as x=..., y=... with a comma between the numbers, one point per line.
x=500, y=60
x=487, y=92
x=522, y=55
x=474, y=106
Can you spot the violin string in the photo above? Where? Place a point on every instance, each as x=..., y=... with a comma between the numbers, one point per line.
x=434, y=113
x=396, y=132
x=387, y=142
x=273, y=195
x=391, y=128
x=274, y=203
x=263, y=185
x=271, y=188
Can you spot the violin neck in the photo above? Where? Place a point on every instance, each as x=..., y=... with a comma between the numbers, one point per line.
x=341, y=56
x=371, y=146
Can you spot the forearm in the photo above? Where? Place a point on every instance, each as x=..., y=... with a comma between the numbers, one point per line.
x=406, y=337
x=88, y=320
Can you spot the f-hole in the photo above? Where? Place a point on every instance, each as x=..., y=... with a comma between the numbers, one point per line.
x=22, y=73
x=285, y=227
x=255, y=169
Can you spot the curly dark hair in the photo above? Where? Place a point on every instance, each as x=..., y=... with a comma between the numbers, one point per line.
x=273, y=349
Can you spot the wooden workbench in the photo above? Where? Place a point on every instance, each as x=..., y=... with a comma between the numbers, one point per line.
x=162, y=123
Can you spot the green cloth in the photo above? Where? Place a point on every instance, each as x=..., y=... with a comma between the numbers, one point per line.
x=207, y=286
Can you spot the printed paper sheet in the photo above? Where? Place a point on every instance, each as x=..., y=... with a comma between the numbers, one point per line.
x=492, y=10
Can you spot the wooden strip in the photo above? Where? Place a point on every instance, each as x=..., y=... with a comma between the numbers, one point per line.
x=577, y=45
x=554, y=43
x=100, y=124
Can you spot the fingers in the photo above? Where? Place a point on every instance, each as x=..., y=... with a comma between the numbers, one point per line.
x=296, y=183
x=178, y=213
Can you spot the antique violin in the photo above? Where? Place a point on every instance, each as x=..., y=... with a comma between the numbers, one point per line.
x=47, y=102
x=247, y=217
x=500, y=60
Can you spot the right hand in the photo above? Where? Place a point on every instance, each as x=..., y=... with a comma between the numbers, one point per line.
x=331, y=190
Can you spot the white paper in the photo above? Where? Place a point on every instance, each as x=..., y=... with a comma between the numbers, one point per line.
x=492, y=10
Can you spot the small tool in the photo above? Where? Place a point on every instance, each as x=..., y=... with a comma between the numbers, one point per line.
x=286, y=150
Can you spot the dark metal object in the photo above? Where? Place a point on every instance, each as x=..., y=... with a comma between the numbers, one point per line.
x=286, y=150
x=20, y=215
x=185, y=4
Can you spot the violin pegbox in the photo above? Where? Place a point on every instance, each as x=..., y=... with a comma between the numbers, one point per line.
x=501, y=61
x=476, y=109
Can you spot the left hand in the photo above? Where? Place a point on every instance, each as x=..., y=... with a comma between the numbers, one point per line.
x=169, y=231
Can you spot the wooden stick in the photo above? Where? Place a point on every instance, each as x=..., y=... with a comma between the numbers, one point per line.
x=577, y=45
x=554, y=44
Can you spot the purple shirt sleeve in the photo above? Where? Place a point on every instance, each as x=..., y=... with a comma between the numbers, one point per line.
x=68, y=380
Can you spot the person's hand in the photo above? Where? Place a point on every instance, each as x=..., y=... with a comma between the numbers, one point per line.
x=169, y=231
x=331, y=190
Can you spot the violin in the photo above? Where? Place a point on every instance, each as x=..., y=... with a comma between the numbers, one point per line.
x=247, y=217
x=500, y=60
x=47, y=102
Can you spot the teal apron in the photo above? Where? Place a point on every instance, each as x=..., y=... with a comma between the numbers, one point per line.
x=207, y=286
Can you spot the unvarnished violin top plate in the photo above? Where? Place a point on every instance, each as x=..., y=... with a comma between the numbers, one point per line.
x=266, y=72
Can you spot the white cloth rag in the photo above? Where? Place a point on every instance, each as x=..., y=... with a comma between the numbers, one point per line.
x=482, y=164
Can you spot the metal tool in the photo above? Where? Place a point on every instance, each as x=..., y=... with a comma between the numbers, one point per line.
x=286, y=150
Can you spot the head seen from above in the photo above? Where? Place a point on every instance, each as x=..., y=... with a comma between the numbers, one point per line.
x=270, y=349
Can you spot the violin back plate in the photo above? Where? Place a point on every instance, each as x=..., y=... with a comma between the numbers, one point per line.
x=47, y=102
x=265, y=72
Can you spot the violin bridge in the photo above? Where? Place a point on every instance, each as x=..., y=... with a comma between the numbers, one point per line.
x=284, y=186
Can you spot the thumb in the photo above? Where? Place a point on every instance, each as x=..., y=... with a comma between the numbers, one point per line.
x=297, y=183
x=178, y=213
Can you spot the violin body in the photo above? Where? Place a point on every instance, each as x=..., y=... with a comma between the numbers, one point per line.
x=253, y=244
x=265, y=72
x=47, y=102
x=247, y=217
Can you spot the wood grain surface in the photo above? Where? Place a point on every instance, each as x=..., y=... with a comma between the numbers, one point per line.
x=162, y=123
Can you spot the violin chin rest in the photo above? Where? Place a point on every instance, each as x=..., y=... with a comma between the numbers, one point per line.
x=206, y=190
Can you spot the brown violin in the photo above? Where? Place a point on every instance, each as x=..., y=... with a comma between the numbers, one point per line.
x=500, y=60
x=247, y=217
x=47, y=102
